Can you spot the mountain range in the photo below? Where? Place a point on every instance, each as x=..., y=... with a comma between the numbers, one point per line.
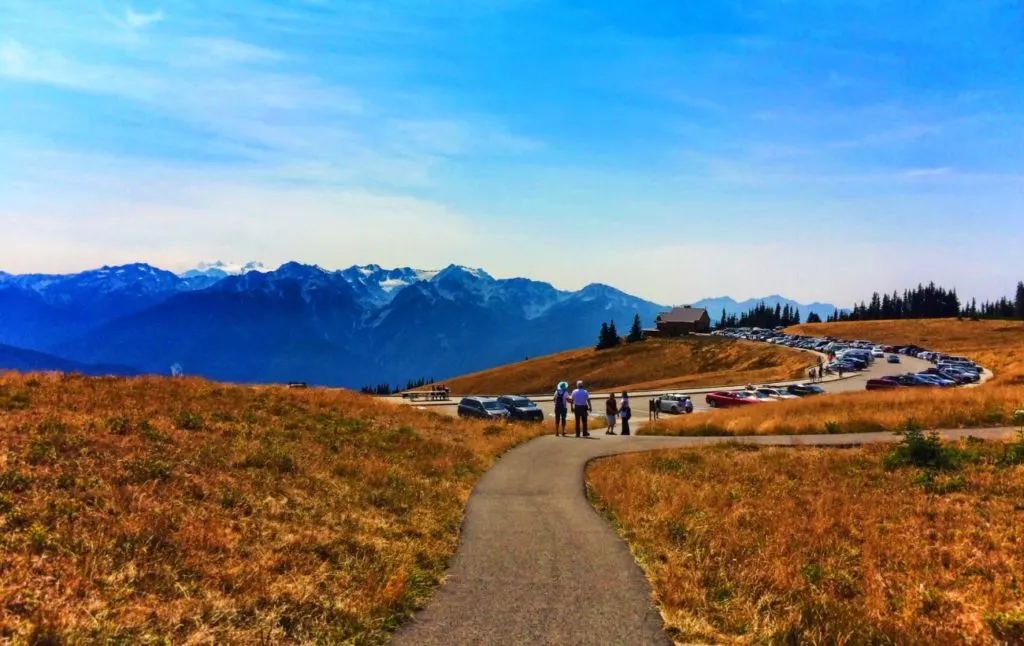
x=350, y=327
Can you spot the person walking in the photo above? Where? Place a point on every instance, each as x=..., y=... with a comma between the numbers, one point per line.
x=611, y=409
x=581, y=407
x=625, y=412
x=650, y=409
x=561, y=401
x=657, y=408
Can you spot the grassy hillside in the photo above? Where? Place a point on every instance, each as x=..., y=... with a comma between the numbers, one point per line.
x=997, y=345
x=651, y=364
x=824, y=546
x=182, y=511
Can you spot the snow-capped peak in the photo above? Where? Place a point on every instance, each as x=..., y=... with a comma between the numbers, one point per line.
x=220, y=267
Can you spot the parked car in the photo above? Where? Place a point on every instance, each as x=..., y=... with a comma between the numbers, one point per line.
x=675, y=404
x=878, y=353
x=915, y=380
x=724, y=399
x=521, y=408
x=883, y=383
x=775, y=393
x=938, y=381
x=805, y=390
x=482, y=408
x=893, y=358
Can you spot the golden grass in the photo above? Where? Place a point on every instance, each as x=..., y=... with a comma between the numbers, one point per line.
x=821, y=546
x=159, y=510
x=997, y=345
x=856, y=412
x=654, y=364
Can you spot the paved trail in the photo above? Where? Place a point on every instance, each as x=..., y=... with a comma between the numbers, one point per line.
x=537, y=564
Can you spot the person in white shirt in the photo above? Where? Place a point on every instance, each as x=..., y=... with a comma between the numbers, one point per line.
x=581, y=407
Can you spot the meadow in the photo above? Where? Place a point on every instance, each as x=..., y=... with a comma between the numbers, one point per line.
x=996, y=345
x=653, y=364
x=826, y=546
x=157, y=510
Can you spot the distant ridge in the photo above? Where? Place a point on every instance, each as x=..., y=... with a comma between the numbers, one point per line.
x=714, y=306
x=300, y=322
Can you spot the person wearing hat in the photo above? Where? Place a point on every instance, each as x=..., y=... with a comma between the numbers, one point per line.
x=581, y=407
x=561, y=408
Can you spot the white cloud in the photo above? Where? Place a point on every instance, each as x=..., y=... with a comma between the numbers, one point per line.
x=140, y=20
x=929, y=172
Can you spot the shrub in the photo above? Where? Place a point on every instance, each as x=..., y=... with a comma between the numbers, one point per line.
x=188, y=421
x=120, y=425
x=832, y=427
x=492, y=430
x=1007, y=627
x=921, y=450
x=14, y=481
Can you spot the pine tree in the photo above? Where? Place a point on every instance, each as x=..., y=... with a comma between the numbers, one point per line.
x=1018, y=308
x=613, y=335
x=636, y=333
x=602, y=337
x=813, y=318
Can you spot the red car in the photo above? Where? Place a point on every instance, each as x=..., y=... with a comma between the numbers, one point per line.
x=883, y=383
x=728, y=399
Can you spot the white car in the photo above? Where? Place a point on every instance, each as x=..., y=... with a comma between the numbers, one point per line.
x=675, y=404
x=877, y=353
x=775, y=393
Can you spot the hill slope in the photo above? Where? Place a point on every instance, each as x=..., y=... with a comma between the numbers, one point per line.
x=184, y=511
x=23, y=360
x=652, y=364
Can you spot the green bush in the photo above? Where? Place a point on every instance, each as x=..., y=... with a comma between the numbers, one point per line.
x=188, y=421
x=922, y=450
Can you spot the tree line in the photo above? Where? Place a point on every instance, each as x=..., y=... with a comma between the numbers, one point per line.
x=929, y=302
x=763, y=316
x=388, y=389
x=608, y=337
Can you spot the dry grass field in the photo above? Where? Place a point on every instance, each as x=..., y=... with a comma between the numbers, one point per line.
x=650, y=365
x=182, y=511
x=824, y=546
x=997, y=345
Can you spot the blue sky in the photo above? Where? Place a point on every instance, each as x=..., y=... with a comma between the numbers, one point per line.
x=673, y=149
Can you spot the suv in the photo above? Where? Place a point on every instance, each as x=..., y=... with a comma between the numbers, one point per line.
x=675, y=404
x=521, y=408
x=482, y=408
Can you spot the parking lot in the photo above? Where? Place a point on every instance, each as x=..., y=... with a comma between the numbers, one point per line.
x=640, y=402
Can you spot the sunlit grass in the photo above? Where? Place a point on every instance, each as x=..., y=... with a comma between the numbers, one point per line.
x=823, y=545
x=184, y=511
x=649, y=365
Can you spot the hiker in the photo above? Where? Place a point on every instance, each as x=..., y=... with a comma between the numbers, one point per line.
x=581, y=407
x=840, y=370
x=611, y=409
x=625, y=412
x=657, y=408
x=561, y=408
x=650, y=409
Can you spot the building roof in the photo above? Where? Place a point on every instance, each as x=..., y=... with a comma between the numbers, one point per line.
x=683, y=315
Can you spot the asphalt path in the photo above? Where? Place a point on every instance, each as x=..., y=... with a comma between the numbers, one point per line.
x=536, y=564
x=641, y=402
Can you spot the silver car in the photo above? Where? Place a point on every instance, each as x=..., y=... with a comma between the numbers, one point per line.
x=675, y=404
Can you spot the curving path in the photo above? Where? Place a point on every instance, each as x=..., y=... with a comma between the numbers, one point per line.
x=538, y=565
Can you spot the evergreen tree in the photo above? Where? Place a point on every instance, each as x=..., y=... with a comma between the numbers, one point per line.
x=636, y=332
x=1018, y=308
x=602, y=337
x=613, y=335
x=813, y=318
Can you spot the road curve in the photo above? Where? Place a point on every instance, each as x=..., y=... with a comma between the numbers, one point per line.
x=537, y=565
